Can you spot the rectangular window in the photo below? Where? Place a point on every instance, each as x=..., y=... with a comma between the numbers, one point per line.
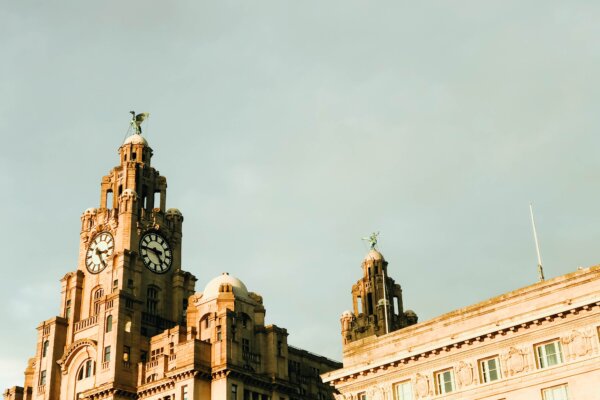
x=444, y=381
x=107, y=354
x=126, y=353
x=68, y=310
x=555, y=393
x=403, y=391
x=43, y=378
x=362, y=396
x=549, y=354
x=245, y=346
x=219, y=335
x=233, y=392
x=184, y=392
x=489, y=370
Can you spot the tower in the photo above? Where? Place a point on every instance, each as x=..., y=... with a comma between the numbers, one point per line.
x=128, y=286
x=376, y=300
x=130, y=325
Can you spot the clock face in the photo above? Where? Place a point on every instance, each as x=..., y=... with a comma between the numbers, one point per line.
x=156, y=252
x=99, y=251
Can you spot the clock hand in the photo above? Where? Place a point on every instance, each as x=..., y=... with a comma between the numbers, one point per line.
x=155, y=251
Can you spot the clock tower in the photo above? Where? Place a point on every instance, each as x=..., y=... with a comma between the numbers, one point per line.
x=128, y=287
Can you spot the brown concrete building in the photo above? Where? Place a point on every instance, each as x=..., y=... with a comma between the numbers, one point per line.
x=132, y=326
x=537, y=342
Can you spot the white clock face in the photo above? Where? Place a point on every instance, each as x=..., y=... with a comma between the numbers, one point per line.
x=99, y=252
x=156, y=253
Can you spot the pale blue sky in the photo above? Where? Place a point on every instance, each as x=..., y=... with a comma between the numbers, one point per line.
x=289, y=130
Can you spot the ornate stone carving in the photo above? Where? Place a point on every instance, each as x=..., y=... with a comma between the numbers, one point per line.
x=579, y=343
x=515, y=361
x=422, y=385
x=377, y=393
x=465, y=373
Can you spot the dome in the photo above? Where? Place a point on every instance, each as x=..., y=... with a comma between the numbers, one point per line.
x=212, y=288
x=374, y=255
x=174, y=211
x=129, y=192
x=90, y=210
x=136, y=139
x=410, y=313
x=347, y=313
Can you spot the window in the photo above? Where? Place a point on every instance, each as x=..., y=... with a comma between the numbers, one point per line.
x=444, y=381
x=128, y=326
x=555, y=393
x=219, y=336
x=108, y=324
x=245, y=346
x=362, y=396
x=43, y=378
x=68, y=310
x=86, y=370
x=152, y=300
x=126, y=353
x=89, y=368
x=233, y=392
x=184, y=392
x=403, y=391
x=97, y=296
x=115, y=285
x=107, y=354
x=489, y=370
x=549, y=354
x=45, y=348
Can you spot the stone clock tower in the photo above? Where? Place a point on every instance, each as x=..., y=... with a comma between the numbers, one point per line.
x=128, y=287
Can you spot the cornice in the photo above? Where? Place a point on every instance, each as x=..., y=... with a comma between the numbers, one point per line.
x=403, y=358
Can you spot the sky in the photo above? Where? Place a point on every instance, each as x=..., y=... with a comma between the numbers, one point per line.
x=289, y=130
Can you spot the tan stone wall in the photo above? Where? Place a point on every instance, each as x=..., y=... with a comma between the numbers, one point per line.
x=510, y=327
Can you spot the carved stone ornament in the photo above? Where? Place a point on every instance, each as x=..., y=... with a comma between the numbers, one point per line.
x=422, y=385
x=580, y=344
x=515, y=361
x=465, y=373
x=377, y=393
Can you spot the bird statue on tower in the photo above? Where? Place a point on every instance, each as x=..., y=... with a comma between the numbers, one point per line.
x=136, y=121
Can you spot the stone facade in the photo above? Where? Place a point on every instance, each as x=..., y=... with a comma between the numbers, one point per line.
x=537, y=342
x=132, y=326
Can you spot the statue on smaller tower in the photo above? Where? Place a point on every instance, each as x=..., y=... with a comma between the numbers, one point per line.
x=136, y=121
x=372, y=239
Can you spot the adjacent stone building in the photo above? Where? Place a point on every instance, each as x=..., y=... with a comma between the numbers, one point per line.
x=132, y=327
x=537, y=342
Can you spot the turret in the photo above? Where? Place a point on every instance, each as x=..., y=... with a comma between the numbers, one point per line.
x=376, y=300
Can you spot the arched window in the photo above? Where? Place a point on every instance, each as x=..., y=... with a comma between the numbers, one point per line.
x=109, y=323
x=97, y=300
x=128, y=325
x=87, y=369
x=45, y=348
x=152, y=300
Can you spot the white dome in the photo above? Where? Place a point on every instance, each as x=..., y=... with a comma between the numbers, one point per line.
x=174, y=211
x=374, y=255
x=136, y=139
x=347, y=313
x=212, y=288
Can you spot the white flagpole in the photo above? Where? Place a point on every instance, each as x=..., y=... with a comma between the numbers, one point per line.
x=537, y=245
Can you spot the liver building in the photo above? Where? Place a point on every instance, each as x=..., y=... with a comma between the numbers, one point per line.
x=131, y=325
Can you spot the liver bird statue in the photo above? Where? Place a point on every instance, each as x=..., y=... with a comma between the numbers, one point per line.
x=136, y=121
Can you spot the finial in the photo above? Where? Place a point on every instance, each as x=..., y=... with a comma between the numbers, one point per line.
x=136, y=121
x=372, y=239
